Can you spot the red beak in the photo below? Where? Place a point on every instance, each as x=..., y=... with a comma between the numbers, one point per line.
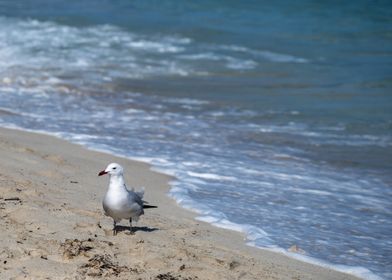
x=103, y=172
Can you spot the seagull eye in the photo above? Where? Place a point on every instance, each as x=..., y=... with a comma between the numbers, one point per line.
x=114, y=167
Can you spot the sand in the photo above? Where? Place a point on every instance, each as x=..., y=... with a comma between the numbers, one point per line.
x=53, y=226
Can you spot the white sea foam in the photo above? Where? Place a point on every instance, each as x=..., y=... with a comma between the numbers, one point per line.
x=155, y=46
x=134, y=111
x=326, y=137
x=276, y=57
x=239, y=64
x=135, y=55
x=216, y=218
x=210, y=176
x=311, y=191
x=358, y=271
x=50, y=39
x=201, y=56
x=187, y=101
x=251, y=232
x=230, y=61
x=269, y=55
x=256, y=234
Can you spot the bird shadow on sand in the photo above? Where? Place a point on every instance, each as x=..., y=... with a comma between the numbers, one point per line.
x=135, y=229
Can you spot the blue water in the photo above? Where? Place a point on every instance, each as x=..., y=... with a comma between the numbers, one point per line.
x=275, y=118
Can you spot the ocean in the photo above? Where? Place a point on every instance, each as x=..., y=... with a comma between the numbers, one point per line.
x=275, y=118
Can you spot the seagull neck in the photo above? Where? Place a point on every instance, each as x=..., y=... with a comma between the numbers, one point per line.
x=117, y=181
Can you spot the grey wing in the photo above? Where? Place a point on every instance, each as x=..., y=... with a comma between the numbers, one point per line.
x=135, y=202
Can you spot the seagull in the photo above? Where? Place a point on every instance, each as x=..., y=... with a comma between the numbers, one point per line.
x=120, y=202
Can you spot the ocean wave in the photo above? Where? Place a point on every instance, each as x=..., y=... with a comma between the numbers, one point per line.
x=107, y=52
x=46, y=45
x=187, y=101
x=257, y=237
x=210, y=176
x=324, y=135
x=230, y=62
x=358, y=271
x=268, y=55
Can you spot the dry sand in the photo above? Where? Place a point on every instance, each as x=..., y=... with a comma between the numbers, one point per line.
x=53, y=225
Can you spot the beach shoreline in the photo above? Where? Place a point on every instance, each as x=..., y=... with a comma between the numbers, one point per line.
x=54, y=227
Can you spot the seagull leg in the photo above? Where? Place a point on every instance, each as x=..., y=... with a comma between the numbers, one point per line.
x=130, y=226
x=114, y=227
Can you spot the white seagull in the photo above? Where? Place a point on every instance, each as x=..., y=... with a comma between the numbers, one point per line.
x=119, y=202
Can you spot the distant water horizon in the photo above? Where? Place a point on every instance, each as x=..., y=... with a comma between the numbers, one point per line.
x=274, y=118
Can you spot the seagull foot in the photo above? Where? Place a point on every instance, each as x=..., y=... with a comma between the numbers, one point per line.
x=131, y=232
x=114, y=228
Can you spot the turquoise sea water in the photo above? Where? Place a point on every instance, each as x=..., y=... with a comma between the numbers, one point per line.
x=275, y=118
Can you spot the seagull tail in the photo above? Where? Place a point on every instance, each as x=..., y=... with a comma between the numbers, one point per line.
x=149, y=206
x=140, y=193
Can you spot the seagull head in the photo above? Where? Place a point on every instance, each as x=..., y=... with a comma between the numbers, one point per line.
x=112, y=169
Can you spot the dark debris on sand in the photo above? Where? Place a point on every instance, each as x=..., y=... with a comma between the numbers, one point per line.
x=170, y=276
x=73, y=247
x=103, y=265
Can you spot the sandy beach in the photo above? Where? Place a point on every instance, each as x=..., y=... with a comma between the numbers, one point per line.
x=53, y=226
